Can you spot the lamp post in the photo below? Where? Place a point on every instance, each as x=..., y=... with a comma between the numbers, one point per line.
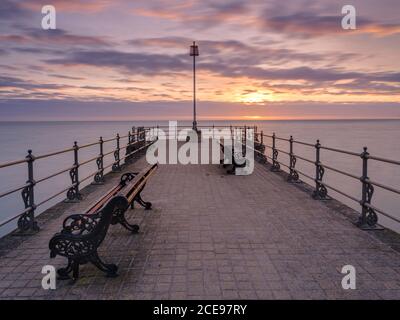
x=194, y=52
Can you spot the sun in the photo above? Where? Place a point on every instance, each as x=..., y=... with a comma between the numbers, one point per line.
x=254, y=97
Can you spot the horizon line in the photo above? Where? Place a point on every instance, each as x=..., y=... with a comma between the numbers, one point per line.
x=206, y=120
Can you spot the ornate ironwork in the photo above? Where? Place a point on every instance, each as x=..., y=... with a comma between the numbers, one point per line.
x=293, y=174
x=126, y=177
x=26, y=222
x=134, y=135
x=368, y=218
x=73, y=193
x=130, y=147
x=320, y=192
x=275, y=164
x=116, y=166
x=80, y=238
x=119, y=217
x=99, y=176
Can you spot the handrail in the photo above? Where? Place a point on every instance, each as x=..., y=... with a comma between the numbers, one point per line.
x=54, y=175
x=385, y=160
x=341, y=151
x=139, y=136
x=47, y=155
x=12, y=163
x=7, y=220
x=368, y=218
x=6, y=193
x=73, y=189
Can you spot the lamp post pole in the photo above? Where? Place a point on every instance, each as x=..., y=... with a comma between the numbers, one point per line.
x=194, y=52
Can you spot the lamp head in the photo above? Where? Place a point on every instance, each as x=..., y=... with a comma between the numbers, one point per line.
x=194, y=49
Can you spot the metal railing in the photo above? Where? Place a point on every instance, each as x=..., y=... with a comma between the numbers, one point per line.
x=136, y=141
x=368, y=218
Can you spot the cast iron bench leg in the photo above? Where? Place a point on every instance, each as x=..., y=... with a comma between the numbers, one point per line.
x=120, y=218
x=138, y=198
x=63, y=273
x=109, y=268
x=145, y=204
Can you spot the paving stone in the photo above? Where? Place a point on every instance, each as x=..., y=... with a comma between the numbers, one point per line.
x=214, y=236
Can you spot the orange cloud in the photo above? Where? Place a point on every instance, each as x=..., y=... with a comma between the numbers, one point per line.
x=69, y=6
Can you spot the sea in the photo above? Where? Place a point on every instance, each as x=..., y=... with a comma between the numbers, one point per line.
x=382, y=137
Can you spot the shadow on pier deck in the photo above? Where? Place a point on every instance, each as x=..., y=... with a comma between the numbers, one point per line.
x=213, y=236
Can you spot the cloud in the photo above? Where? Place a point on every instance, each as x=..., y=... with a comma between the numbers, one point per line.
x=62, y=37
x=46, y=108
x=310, y=79
x=11, y=10
x=37, y=50
x=316, y=24
x=287, y=17
x=86, y=6
x=141, y=63
x=62, y=76
x=196, y=14
x=236, y=52
x=17, y=83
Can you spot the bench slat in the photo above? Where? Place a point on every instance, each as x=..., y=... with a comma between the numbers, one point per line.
x=94, y=207
x=134, y=186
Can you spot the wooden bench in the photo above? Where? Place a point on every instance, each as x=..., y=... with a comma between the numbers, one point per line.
x=82, y=234
x=235, y=156
x=130, y=186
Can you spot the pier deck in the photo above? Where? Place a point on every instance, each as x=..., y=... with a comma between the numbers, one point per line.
x=213, y=236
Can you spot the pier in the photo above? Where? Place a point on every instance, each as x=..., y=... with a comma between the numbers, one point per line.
x=211, y=235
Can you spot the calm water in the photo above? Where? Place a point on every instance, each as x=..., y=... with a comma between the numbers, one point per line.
x=381, y=136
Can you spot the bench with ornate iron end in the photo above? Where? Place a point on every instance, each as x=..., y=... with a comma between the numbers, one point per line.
x=236, y=158
x=131, y=185
x=82, y=234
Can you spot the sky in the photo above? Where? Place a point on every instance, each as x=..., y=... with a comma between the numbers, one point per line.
x=259, y=59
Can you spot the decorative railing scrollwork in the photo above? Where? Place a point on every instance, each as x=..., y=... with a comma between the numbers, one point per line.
x=26, y=222
x=99, y=176
x=73, y=193
x=320, y=192
x=275, y=163
x=293, y=174
x=117, y=163
x=368, y=218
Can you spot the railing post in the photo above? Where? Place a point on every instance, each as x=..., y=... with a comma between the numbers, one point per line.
x=73, y=193
x=263, y=156
x=368, y=217
x=116, y=166
x=26, y=222
x=275, y=164
x=293, y=174
x=133, y=137
x=244, y=141
x=320, y=192
x=99, y=176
